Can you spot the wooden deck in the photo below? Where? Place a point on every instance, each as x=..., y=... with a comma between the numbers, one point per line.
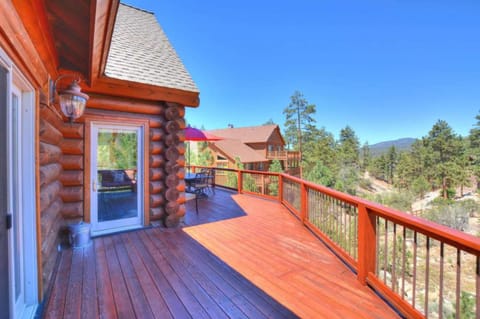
x=263, y=264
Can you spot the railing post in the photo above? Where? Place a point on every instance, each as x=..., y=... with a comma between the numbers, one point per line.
x=303, y=204
x=239, y=181
x=366, y=243
x=280, y=188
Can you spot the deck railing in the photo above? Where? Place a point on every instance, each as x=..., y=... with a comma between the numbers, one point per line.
x=425, y=270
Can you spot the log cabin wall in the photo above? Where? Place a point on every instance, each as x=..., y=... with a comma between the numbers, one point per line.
x=51, y=204
x=166, y=158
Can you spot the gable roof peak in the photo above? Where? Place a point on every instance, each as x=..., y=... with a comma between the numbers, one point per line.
x=139, y=9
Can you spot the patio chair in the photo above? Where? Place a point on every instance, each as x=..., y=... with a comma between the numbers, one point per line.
x=210, y=179
x=198, y=187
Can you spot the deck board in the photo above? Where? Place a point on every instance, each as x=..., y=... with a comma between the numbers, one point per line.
x=269, y=247
x=240, y=257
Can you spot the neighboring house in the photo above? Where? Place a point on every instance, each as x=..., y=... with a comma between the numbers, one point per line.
x=255, y=147
x=52, y=172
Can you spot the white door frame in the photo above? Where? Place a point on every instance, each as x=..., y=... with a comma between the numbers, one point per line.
x=100, y=228
x=23, y=193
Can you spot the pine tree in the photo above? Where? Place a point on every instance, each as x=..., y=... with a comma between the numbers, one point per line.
x=445, y=145
x=298, y=119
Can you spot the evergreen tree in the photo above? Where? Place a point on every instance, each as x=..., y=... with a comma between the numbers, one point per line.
x=445, y=146
x=366, y=157
x=391, y=164
x=298, y=119
x=204, y=156
x=275, y=167
x=320, y=174
x=474, y=156
x=319, y=147
x=349, y=147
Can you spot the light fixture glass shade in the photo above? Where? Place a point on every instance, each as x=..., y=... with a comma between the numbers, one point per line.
x=73, y=101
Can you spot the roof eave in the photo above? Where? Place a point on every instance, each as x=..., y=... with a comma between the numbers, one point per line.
x=123, y=88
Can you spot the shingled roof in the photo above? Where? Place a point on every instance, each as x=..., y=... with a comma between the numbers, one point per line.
x=250, y=134
x=235, y=148
x=140, y=52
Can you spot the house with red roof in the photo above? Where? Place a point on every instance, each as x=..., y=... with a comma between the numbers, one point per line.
x=255, y=147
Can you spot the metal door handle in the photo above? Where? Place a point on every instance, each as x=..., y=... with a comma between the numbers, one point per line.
x=94, y=185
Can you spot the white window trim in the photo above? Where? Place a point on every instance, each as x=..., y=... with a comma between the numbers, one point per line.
x=27, y=185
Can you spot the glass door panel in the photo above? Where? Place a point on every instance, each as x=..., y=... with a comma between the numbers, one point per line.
x=116, y=173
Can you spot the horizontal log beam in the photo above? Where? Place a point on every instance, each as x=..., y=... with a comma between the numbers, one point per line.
x=157, y=148
x=72, y=210
x=49, y=173
x=72, y=162
x=49, y=216
x=119, y=104
x=49, y=134
x=111, y=86
x=156, y=200
x=157, y=213
x=49, y=193
x=72, y=178
x=156, y=187
x=49, y=153
x=72, y=146
x=72, y=130
x=156, y=134
x=157, y=161
x=71, y=194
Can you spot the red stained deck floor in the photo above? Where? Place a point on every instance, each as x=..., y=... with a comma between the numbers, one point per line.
x=259, y=264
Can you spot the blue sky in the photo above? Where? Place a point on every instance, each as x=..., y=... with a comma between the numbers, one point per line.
x=388, y=68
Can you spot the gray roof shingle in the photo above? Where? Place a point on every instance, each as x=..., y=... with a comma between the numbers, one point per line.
x=236, y=148
x=140, y=52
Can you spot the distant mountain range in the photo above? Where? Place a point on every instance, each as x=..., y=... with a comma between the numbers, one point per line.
x=402, y=144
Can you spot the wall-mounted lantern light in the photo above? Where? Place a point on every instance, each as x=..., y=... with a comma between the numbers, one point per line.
x=72, y=100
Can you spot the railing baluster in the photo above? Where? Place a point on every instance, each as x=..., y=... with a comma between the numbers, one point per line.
x=385, y=247
x=394, y=259
x=457, y=288
x=404, y=254
x=477, y=279
x=377, y=253
x=427, y=274
x=414, y=286
x=440, y=302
